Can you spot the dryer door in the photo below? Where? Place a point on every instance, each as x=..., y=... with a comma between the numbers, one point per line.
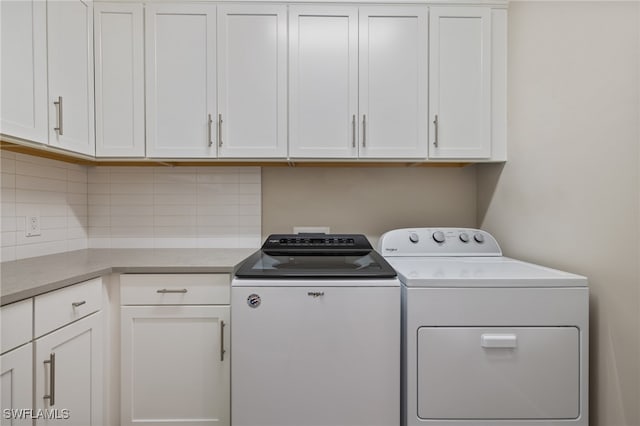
x=498, y=373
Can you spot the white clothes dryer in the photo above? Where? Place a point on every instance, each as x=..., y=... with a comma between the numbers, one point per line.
x=487, y=340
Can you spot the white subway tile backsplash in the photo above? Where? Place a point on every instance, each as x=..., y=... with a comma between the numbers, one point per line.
x=8, y=238
x=55, y=191
x=176, y=242
x=79, y=244
x=8, y=180
x=174, y=188
x=131, y=188
x=43, y=170
x=129, y=200
x=8, y=223
x=142, y=221
x=41, y=184
x=78, y=176
x=179, y=221
x=7, y=254
x=40, y=249
x=82, y=206
x=173, y=199
x=77, y=187
x=99, y=199
x=174, y=207
x=23, y=209
x=40, y=197
x=132, y=231
x=175, y=210
x=98, y=188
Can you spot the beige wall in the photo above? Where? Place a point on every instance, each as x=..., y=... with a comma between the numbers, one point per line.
x=569, y=195
x=367, y=200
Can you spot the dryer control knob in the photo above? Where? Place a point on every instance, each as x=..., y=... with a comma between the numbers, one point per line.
x=479, y=238
x=413, y=237
x=464, y=237
x=438, y=237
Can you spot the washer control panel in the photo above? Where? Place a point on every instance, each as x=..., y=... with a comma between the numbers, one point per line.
x=438, y=242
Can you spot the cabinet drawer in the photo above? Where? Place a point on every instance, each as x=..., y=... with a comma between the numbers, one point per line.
x=175, y=289
x=60, y=307
x=17, y=322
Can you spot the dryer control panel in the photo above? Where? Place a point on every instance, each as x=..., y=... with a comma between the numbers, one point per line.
x=432, y=242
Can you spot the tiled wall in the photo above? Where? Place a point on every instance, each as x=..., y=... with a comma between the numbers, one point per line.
x=118, y=207
x=55, y=191
x=174, y=207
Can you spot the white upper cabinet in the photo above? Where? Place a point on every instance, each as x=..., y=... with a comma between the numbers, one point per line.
x=181, y=80
x=119, y=73
x=252, y=81
x=358, y=82
x=393, y=82
x=24, y=70
x=70, y=65
x=460, y=82
x=323, y=81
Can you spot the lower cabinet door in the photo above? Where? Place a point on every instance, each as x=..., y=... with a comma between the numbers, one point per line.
x=16, y=386
x=69, y=374
x=175, y=365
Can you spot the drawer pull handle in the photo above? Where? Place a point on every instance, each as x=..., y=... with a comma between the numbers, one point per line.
x=52, y=379
x=164, y=290
x=499, y=341
x=58, y=105
x=222, y=351
x=76, y=304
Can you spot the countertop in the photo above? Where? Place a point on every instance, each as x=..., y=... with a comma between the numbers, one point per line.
x=21, y=279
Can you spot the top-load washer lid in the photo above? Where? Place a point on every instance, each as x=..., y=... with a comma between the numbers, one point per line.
x=316, y=256
x=479, y=272
x=463, y=257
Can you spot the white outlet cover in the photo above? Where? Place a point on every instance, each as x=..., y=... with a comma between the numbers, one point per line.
x=311, y=230
x=32, y=225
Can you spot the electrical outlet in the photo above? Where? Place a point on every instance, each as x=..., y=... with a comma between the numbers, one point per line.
x=32, y=225
x=311, y=230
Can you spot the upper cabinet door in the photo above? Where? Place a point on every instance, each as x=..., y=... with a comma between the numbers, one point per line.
x=460, y=82
x=24, y=70
x=323, y=72
x=119, y=72
x=181, y=80
x=70, y=60
x=252, y=81
x=393, y=82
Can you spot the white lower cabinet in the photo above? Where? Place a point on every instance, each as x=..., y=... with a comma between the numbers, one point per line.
x=68, y=374
x=16, y=387
x=175, y=358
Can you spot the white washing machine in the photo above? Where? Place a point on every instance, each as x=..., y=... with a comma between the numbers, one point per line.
x=487, y=340
x=315, y=332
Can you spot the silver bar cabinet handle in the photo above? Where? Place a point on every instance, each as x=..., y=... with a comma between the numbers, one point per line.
x=435, y=131
x=76, y=304
x=52, y=379
x=353, y=130
x=164, y=290
x=58, y=104
x=364, y=130
x=209, y=130
x=219, y=129
x=222, y=351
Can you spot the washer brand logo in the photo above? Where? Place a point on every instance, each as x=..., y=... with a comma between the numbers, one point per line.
x=390, y=249
x=253, y=300
x=315, y=294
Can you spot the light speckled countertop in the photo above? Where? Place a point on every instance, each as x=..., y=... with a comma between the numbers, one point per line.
x=26, y=278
